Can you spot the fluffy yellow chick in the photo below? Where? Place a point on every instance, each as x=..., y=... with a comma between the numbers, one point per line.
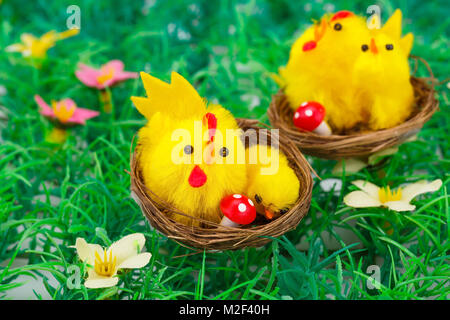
x=184, y=154
x=320, y=65
x=382, y=76
x=272, y=184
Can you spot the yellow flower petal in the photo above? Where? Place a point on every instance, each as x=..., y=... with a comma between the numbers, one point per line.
x=83, y=250
x=17, y=47
x=27, y=39
x=399, y=206
x=412, y=138
x=135, y=262
x=376, y=157
x=127, y=247
x=360, y=199
x=86, y=251
x=413, y=190
x=100, y=282
x=68, y=33
x=352, y=165
x=49, y=37
x=367, y=187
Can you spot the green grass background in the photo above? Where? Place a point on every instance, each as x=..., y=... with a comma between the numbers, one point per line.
x=50, y=196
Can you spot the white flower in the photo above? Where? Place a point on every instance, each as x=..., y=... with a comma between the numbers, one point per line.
x=398, y=200
x=103, y=264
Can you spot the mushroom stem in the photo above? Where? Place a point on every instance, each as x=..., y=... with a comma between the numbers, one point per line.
x=323, y=129
x=228, y=223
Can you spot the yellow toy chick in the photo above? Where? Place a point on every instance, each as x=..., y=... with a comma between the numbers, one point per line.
x=381, y=75
x=320, y=64
x=272, y=184
x=360, y=76
x=182, y=152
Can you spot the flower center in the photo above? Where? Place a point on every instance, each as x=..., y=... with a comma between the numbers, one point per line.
x=106, y=75
x=62, y=112
x=105, y=267
x=385, y=194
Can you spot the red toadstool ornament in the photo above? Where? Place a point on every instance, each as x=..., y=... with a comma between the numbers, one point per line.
x=237, y=210
x=310, y=117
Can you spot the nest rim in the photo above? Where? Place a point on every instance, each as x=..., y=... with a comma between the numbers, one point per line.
x=358, y=144
x=217, y=237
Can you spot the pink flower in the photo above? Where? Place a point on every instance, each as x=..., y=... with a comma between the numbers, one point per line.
x=65, y=111
x=108, y=75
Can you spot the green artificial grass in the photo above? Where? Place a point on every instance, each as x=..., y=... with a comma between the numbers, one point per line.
x=51, y=195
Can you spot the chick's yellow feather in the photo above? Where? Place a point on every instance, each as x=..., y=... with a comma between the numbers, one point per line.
x=272, y=183
x=322, y=74
x=176, y=99
x=382, y=76
x=175, y=144
x=360, y=76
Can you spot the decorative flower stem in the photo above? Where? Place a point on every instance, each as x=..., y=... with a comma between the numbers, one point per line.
x=387, y=227
x=57, y=136
x=106, y=100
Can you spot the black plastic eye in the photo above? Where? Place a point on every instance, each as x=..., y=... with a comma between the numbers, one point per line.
x=338, y=27
x=188, y=149
x=224, y=152
x=364, y=47
x=389, y=47
x=258, y=198
x=284, y=210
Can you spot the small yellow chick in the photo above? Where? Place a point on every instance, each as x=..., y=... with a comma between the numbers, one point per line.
x=320, y=64
x=184, y=157
x=272, y=184
x=382, y=76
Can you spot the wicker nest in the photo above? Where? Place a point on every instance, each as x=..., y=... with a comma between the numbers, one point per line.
x=357, y=143
x=213, y=236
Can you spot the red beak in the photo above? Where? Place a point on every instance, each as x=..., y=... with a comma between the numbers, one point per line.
x=197, y=178
x=269, y=214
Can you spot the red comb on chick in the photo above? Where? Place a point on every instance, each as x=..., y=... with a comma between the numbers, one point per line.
x=211, y=120
x=341, y=15
x=310, y=45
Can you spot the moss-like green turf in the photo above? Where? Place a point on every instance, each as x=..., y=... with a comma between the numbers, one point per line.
x=50, y=196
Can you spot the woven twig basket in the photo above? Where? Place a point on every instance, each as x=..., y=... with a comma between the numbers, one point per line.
x=357, y=144
x=214, y=236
